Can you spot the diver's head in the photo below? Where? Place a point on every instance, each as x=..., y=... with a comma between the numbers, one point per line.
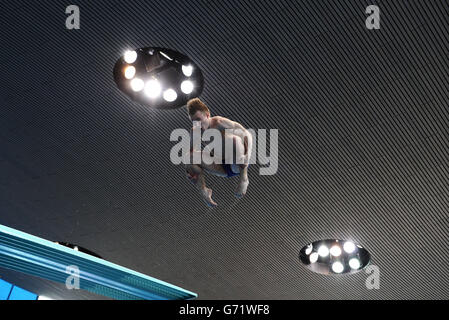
x=198, y=111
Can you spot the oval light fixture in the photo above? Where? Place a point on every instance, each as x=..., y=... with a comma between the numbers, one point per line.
x=333, y=257
x=157, y=77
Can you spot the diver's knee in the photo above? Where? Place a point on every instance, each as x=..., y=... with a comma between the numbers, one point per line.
x=235, y=168
x=193, y=172
x=193, y=168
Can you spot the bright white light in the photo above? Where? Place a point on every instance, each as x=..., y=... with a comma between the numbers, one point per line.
x=337, y=267
x=165, y=55
x=313, y=257
x=187, y=87
x=335, y=251
x=349, y=247
x=170, y=95
x=187, y=70
x=153, y=88
x=130, y=56
x=137, y=84
x=309, y=249
x=43, y=298
x=130, y=72
x=76, y=248
x=323, y=251
x=354, y=263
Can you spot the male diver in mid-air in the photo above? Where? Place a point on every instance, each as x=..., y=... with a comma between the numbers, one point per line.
x=227, y=164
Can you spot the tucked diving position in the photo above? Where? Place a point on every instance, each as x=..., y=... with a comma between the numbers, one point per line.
x=227, y=163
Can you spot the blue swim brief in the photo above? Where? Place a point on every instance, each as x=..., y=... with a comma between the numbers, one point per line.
x=228, y=168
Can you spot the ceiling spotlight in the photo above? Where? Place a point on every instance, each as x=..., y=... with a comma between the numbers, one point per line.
x=323, y=251
x=309, y=249
x=187, y=70
x=354, y=263
x=170, y=95
x=337, y=267
x=187, y=87
x=314, y=257
x=130, y=56
x=329, y=258
x=335, y=251
x=349, y=247
x=130, y=72
x=137, y=85
x=153, y=88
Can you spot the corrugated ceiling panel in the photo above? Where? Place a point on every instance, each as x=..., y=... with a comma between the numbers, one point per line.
x=363, y=141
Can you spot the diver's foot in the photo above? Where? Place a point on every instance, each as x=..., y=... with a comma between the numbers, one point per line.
x=241, y=188
x=207, y=197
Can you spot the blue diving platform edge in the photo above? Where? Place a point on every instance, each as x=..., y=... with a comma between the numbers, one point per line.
x=32, y=255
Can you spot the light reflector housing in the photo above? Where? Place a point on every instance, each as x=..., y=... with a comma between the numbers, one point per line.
x=171, y=69
x=343, y=257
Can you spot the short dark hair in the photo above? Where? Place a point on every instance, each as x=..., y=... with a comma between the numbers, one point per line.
x=195, y=105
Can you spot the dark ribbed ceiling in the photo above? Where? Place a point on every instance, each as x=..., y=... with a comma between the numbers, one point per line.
x=363, y=143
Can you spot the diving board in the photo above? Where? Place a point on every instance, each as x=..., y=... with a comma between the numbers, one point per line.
x=32, y=255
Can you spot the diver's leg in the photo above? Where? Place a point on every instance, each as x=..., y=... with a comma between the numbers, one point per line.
x=243, y=182
x=195, y=173
x=239, y=161
x=196, y=176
